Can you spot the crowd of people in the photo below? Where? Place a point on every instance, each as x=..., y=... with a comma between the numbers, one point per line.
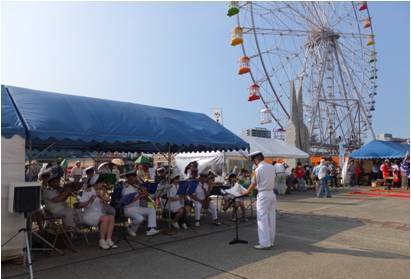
x=393, y=173
x=97, y=196
x=304, y=176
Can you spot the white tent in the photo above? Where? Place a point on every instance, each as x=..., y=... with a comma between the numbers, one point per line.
x=274, y=148
x=215, y=161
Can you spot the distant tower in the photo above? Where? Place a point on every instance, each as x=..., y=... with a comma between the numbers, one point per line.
x=296, y=131
x=304, y=134
x=292, y=132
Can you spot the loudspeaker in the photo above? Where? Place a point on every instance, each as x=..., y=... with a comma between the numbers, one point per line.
x=24, y=197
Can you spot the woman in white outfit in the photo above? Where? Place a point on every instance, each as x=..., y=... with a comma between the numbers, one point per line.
x=92, y=200
x=55, y=198
x=175, y=203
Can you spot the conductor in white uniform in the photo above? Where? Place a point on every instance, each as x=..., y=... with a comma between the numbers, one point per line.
x=266, y=200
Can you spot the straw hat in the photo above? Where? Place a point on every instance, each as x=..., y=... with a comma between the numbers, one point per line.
x=118, y=162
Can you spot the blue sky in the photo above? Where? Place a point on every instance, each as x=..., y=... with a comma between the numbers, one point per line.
x=171, y=54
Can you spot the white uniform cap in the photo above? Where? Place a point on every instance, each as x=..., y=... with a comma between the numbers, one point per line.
x=254, y=154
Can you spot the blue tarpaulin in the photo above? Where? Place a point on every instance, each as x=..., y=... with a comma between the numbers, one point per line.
x=59, y=121
x=378, y=149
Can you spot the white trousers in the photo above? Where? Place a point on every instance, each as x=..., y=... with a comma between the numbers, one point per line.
x=137, y=215
x=280, y=183
x=211, y=207
x=266, y=205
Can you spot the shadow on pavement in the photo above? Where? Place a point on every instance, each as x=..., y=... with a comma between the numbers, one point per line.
x=204, y=250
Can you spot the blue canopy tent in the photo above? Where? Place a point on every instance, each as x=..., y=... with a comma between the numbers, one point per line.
x=59, y=121
x=378, y=149
x=10, y=120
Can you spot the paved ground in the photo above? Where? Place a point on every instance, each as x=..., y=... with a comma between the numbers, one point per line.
x=347, y=236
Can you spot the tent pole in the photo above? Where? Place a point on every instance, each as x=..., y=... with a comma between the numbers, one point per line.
x=169, y=181
x=30, y=177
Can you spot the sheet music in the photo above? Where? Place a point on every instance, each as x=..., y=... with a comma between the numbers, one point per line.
x=236, y=190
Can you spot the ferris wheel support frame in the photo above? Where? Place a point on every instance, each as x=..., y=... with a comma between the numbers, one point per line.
x=342, y=82
x=317, y=96
x=358, y=95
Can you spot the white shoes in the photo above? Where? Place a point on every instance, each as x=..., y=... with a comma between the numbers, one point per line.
x=184, y=225
x=111, y=244
x=152, y=232
x=131, y=232
x=175, y=225
x=103, y=244
x=260, y=247
x=197, y=224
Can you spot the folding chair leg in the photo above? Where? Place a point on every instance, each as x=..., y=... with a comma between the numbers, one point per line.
x=86, y=238
x=67, y=241
x=52, y=246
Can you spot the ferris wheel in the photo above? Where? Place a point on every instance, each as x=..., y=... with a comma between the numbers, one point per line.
x=326, y=48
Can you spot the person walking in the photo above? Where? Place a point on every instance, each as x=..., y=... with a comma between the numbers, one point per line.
x=323, y=173
x=280, y=185
x=266, y=200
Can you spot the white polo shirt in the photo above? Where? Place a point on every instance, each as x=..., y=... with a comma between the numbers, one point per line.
x=279, y=168
x=322, y=172
x=265, y=176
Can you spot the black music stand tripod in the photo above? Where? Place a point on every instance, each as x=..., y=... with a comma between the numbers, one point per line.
x=28, y=233
x=236, y=239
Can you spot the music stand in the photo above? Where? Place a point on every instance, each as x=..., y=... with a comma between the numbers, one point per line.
x=28, y=233
x=122, y=219
x=217, y=191
x=232, y=201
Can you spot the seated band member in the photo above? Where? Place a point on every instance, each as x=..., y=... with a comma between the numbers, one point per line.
x=239, y=203
x=89, y=174
x=175, y=203
x=133, y=210
x=191, y=170
x=201, y=199
x=54, y=197
x=92, y=200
